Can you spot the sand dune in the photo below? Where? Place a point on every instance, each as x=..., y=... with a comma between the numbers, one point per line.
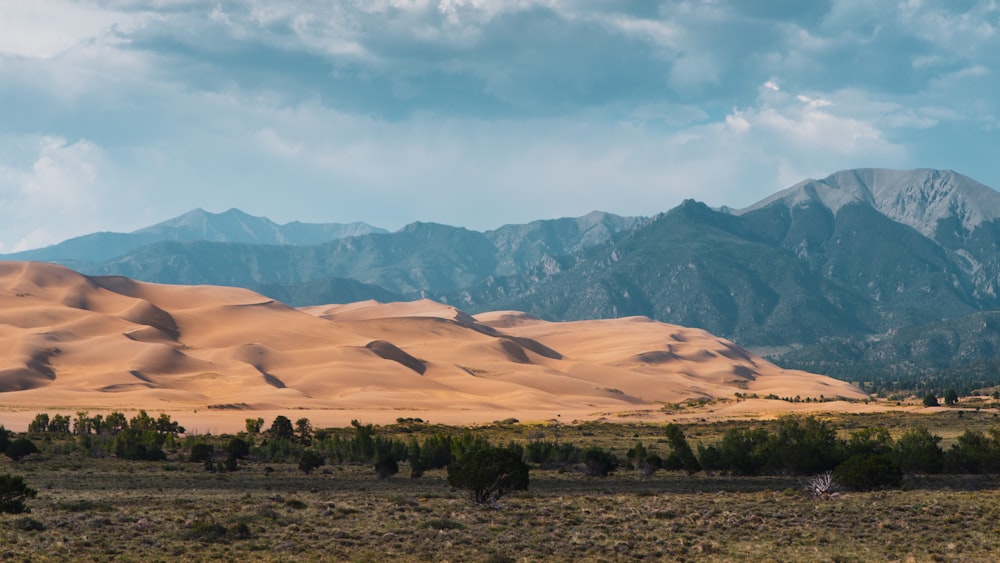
x=74, y=342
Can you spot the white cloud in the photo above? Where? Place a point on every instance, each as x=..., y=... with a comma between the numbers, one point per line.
x=44, y=29
x=471, y=112
x=57, y=196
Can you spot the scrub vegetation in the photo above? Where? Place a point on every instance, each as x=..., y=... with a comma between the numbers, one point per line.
x=843, y=487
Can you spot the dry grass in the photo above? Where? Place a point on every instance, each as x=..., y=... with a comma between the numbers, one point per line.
x=115, y=510
x=106, y=509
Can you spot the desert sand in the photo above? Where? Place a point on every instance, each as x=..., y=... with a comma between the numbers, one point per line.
x=214, y=356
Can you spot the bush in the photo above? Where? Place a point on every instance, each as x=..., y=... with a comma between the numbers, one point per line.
x=487, y=473
x=310, y=460
x=950, y=397
x=13, y=493
x=867, y=472
x=681, y=454
x=20, y=448
x=917, y=451
x=206, y=531
x=803, y=446
x=740, y=452
x=238, y=448
x=202, y=452
x=974, y=452
x=599, y=463
x=653, y=464
x=26, y=524
x=930, y=400
x=386, y=466
x=551, y=454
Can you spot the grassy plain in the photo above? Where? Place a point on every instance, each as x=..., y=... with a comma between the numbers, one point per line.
x=109, y=509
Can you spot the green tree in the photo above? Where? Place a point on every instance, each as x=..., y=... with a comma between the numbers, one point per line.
x=115, y=423
x=281, y=429
x=13, y=493
x=740, y=452
x=930, y=400
x=60, y=423
x=803, y=446
x=413, y=454
x=254, y=425
x=950, y=397
x=488, y=473
x=40, y=423
x=974, y=452
x=304, y=430
x=869, y=441
x=681, y=455
x=917, y=451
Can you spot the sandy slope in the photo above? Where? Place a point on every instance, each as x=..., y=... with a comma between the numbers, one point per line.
x=70, y=342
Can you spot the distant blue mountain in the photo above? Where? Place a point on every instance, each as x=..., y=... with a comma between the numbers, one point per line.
x=233, y=226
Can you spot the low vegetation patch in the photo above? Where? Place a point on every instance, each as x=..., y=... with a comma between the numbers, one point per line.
x=790, y=489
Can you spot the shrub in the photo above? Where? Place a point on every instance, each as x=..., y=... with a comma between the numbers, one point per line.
x=444, y=524
x=20, y=448
x=867, y=472
x=238, y=448
x=599, y=463
x=685, y=458
x=974, y=452
x=310, y=460
x=26, y=524
x=386, y=466
x=653, y=464
x=206, y=531
x=803, y=446
x=822, y=485
x=202, y=452
x=487, y=473
x=741, y=452
x=917, y=451
x=868, y=441
x=930, y=400
x=950, y=397
x=551, y=454
x=13, y=493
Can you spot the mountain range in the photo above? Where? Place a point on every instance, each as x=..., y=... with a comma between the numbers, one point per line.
x=833, y=272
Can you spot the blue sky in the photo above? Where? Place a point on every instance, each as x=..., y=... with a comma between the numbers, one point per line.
x=115, y=114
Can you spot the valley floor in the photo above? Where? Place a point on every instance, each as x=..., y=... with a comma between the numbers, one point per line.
x=105, y=509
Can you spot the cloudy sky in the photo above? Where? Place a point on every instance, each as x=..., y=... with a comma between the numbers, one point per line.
x=115, y=114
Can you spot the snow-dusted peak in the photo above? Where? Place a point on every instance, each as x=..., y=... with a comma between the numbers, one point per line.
x=918, y=198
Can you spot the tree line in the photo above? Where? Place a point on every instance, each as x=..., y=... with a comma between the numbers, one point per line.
x=793, y=445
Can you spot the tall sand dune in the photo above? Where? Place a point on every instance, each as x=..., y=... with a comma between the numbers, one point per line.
x=69, y=341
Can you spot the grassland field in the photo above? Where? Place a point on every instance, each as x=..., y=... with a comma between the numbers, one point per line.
x=104, y=509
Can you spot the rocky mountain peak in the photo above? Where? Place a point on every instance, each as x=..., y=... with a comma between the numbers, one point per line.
x=918, y=198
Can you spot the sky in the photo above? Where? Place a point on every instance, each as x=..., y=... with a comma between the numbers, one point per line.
x=117, y=114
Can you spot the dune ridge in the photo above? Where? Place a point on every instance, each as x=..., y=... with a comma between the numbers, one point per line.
x=110, y=342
